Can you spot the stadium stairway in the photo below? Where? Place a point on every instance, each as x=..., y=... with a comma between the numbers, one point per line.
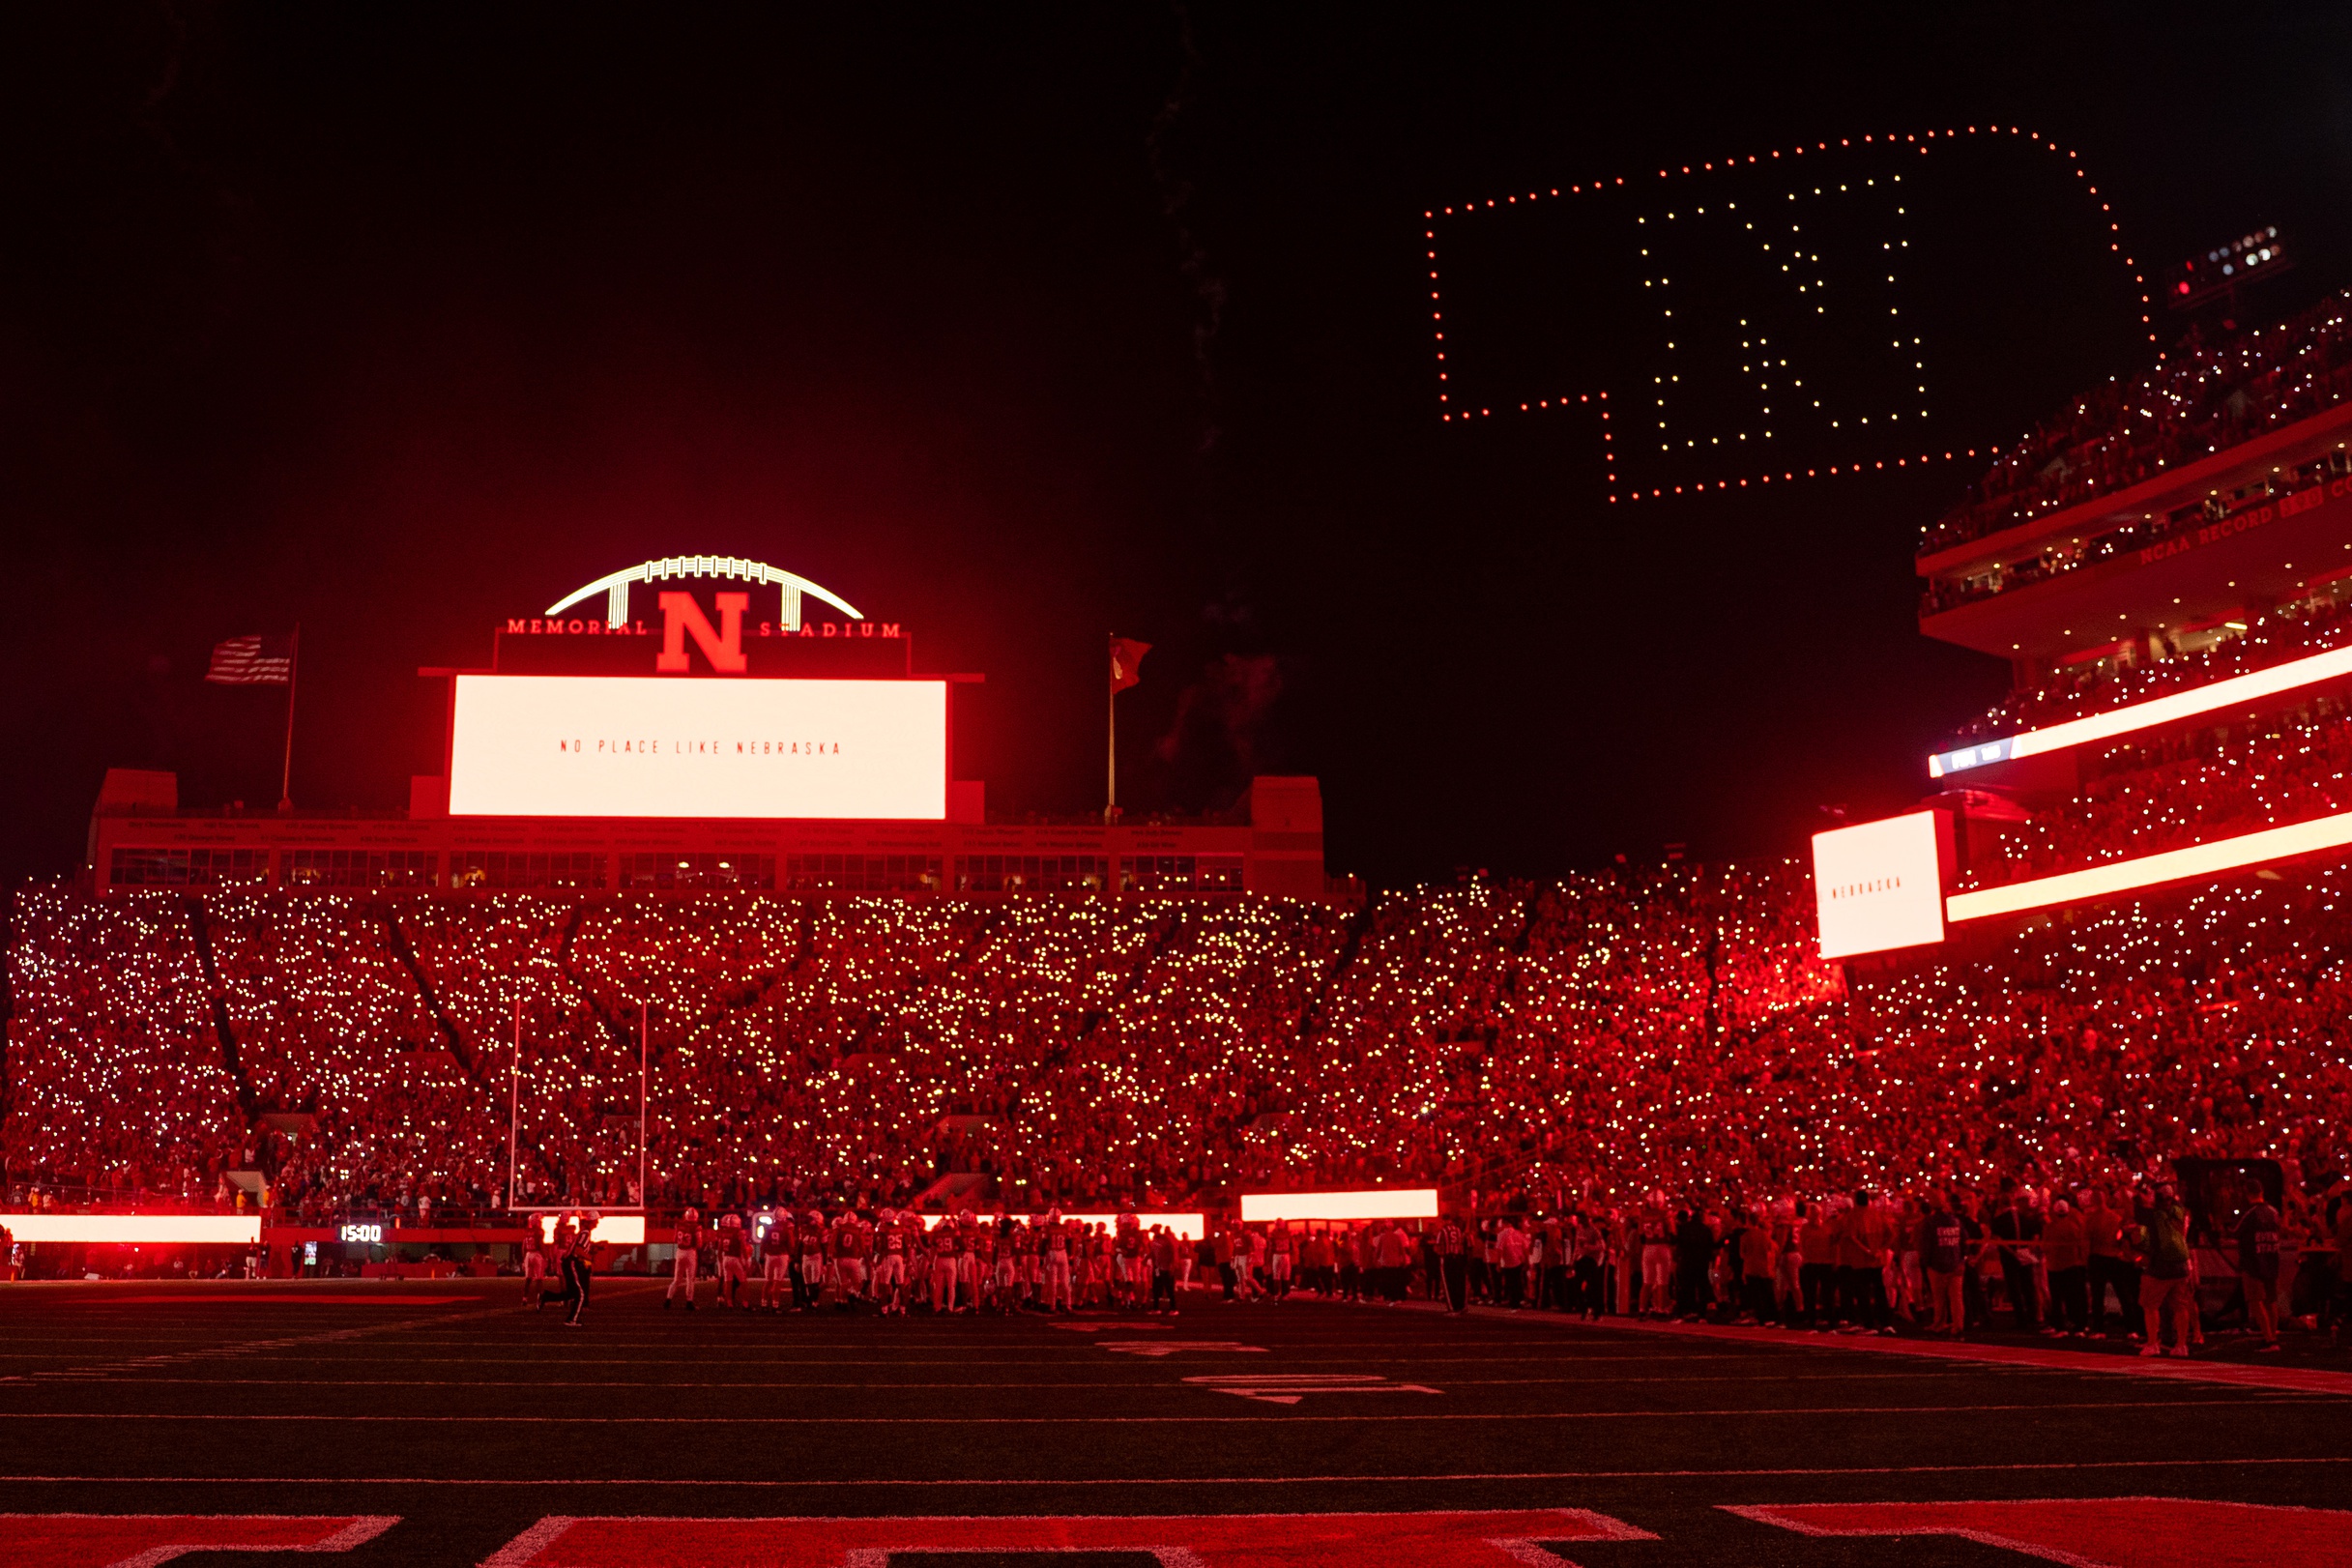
x=397, y=937
x=248, y=1100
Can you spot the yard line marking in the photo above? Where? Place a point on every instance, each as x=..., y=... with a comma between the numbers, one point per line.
x=2130, y=1532
x=868, y=1482
x=1372, y=1540
x=1277, y=1388
x=1148, y=1420
x=146, y=1540
x=1171, y=1347
x=302, y=1298
x=255, y=1348
x=1122, y=1386
x=942, y=1361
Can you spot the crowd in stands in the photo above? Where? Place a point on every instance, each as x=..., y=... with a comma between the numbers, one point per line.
x=2187, y=789
x=2201, y=397
x=2293, y=632
x=1533, y=1048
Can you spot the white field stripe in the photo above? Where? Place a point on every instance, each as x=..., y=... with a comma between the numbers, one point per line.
x=2028, y=1467
x=1120, y=1386
x=947, y=1361
x=2259, y=1402
x=2149, y=870
x=2237, y=688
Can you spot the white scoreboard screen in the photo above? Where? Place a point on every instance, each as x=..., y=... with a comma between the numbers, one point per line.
x=553, y=746
x=1879, y=885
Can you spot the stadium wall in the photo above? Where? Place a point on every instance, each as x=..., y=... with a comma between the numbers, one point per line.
x=138, y=841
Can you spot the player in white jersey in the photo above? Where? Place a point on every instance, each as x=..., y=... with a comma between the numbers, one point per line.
x=812, y=1260
x=1004, y=1268
x=734, y=1261
x=942, y=1267
x=535, y=1271
x=775, y=1262
x=686, y=1266
x=968, y=1265
x=1130, y=1266
x=1097, y=1292
x=1026, y=1242
x=889, y=1265
x=1056, y=1248
x=851, y=1242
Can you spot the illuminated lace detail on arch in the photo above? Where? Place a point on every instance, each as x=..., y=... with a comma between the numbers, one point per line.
x=615, y=585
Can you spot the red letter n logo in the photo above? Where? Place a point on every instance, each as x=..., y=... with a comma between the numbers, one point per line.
x=723, y=648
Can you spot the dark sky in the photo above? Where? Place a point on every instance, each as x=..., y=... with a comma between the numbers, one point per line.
x=1022, y=326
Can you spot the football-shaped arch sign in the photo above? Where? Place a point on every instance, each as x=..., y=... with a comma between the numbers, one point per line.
x=792, y=585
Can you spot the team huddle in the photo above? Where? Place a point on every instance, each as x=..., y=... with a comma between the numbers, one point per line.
x=893, y=1260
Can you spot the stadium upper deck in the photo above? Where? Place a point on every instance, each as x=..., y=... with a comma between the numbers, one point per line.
x=2160, y=515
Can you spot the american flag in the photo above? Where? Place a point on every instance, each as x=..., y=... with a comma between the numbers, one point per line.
x=252, y=662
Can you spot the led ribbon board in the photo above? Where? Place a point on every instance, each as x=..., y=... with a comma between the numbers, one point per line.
x=612, y=1230
x=1185, y=1227
x=2207, y=859
x=2118, y=722
x=1366, y=1204
x=136, y=1229
x=535, y=745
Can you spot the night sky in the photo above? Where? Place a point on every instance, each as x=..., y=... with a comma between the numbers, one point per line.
x=1024, y=326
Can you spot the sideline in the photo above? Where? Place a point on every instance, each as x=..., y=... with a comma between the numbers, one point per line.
x=2168, y=1369
x=1049, y=1483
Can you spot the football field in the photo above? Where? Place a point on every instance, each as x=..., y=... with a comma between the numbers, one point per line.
x=444, y=1424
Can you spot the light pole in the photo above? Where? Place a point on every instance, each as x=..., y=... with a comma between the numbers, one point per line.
x=644, y=1035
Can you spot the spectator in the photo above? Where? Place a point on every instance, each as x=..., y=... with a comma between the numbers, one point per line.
x=2164, y=1294
x=2066, y=1250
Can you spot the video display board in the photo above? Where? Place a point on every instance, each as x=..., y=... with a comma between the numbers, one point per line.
x=531, y=745
x=1879, y=885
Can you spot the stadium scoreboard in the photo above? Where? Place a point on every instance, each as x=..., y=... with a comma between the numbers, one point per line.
x=622, y=747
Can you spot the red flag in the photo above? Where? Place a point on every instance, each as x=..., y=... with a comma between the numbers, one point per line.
x=1126, y=655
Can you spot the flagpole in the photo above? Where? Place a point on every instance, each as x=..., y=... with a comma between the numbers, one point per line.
x=514, y=1100
x=1110, y=810
x=294, y=664
x=645, y=1055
